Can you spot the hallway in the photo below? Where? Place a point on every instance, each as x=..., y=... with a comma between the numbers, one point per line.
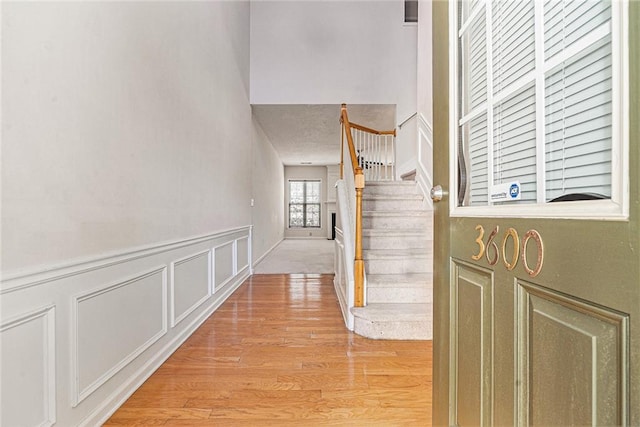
x=277, y=353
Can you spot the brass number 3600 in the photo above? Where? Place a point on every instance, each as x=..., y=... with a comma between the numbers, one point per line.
x=519, y=250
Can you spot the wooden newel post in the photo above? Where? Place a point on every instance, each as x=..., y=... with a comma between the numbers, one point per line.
x=358, y=266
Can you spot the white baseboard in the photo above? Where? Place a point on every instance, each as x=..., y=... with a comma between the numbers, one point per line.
x=306, y=238
x=264, y=255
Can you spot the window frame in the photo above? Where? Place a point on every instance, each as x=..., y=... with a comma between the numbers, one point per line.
x=616, y=208
x=304, y=205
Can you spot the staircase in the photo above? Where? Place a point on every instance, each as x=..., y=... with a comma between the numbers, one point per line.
x=397, y=245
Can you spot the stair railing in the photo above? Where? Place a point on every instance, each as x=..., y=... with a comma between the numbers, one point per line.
x=370, y=155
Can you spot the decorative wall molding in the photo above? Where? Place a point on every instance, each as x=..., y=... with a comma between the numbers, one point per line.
x=79, y=394
x=424, y=175
x=176, y=318
x=109, y=405
x=140, y=291
x=215, y=258
x=14, y=281
x=241, y=263
x=47, y=315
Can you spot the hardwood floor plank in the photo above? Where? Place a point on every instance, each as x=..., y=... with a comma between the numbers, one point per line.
x=276, y=353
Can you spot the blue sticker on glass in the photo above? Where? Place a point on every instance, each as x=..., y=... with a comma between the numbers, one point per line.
x=514, y=190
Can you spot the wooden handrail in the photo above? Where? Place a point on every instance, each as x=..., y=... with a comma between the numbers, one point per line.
x=373, y=131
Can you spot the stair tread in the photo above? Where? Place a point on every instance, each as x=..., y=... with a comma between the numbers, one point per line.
x=396, y=312
x=418, y=279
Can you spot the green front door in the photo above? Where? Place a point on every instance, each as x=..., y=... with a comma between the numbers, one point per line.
x=537, y=302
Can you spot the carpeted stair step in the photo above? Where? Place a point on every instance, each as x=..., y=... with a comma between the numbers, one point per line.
x=375, y=238
x=400, y=288
x=397, y=261
x=394, y=202
x=398, y=220
x=394, y=321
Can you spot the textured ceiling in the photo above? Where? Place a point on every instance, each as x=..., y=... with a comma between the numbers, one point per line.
x=311, y=133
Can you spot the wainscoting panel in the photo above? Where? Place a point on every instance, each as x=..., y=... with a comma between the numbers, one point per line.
x=190, y=285
x=104, y=321
x=242, y=254
x=224, y=263
x=79, y=338
x=28, y=359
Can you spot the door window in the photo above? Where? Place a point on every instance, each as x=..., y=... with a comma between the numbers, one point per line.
x=539, y=107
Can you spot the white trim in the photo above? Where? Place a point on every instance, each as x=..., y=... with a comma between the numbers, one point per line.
x=248, y=264
x=620, y=182
x=233, y=268
x=424, y=174
x=306, y=238
x=250, y=251
x=49, y=350
x=234, y=257
x=490, y=101
x=41, y=275
x=78, y=395
x=172, y=301
x=541, y=188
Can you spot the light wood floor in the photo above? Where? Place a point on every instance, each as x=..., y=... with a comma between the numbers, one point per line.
x=277, y=353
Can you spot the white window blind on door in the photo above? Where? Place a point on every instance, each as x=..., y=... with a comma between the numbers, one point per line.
x=535, y=91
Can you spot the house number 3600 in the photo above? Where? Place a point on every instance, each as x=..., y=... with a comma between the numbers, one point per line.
x=491, y=251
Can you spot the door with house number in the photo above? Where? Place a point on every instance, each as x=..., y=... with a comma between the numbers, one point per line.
x=537, y=220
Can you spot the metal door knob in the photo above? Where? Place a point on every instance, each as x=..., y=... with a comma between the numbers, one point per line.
x=437, y=193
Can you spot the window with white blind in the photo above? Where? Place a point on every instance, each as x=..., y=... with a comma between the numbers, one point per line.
x=304, y=204
x=539, y=102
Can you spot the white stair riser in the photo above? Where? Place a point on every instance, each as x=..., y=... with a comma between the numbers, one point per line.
x=415, y=241
x=399, y=295
x=396, y=222
x=397, y=266
x=391, y=204
x=390, y=189
x=390, y=330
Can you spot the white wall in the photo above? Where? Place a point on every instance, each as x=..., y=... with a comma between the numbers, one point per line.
x=268, y=194
x=124, y=124
x=424, y=154
x=425, y=85
x=126, y=187
x=299, y=173
x=329, y=52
